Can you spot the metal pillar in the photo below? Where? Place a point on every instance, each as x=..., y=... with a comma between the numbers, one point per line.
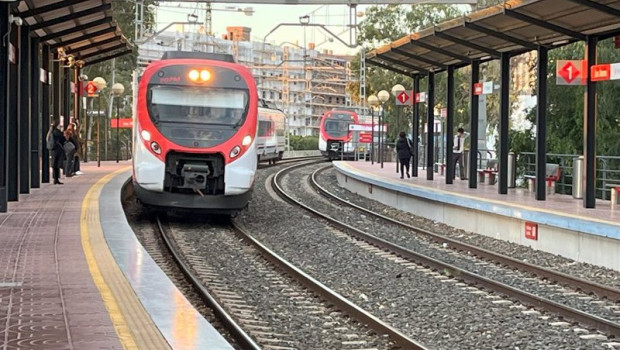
x=381, y=143
x=372, y=135
x=450, y=127
x=4, y=28
x=430, y=126
x=473, y=124
x=55, y=83
x=66, y=96
x=541, y=125
x=35, y=115
x=12, y=136
x=504, y=114
x=589, y=130
x=24, y=110
x=45, y=114
x=415, y=133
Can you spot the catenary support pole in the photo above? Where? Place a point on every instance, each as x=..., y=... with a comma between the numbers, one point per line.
x=450, y=128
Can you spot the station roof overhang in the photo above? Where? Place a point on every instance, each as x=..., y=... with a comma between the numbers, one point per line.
x=515, y=27
x=83, y=29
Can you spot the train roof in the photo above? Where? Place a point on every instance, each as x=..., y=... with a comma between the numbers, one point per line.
x=168, y=55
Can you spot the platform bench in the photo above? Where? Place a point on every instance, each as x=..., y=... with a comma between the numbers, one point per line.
x=491, y=170
x=552, y=175
x=614, y=189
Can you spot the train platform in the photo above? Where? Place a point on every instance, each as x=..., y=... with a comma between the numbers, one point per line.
x=74, y=275
x=559, y=225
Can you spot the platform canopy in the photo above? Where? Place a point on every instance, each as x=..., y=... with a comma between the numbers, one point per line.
x=83, y=29
x=516, y=26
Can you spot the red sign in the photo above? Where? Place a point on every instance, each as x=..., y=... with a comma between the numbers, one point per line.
x=91, y=88
x=365, y=137
x=123, y=123
x=420, y=97
x=403, y=97
x=531, y=230
x=569, y=72
x=600, y=72
x=477, y=88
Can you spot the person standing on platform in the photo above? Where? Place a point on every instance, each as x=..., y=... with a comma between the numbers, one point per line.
x=403, y=151
x=58, y=153
x=457, y=151
x=70, y=150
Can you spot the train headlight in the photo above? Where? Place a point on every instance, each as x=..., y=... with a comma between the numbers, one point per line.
x=205, y=75
x=235, y=151
x=155, y=147
x=194, y=75
x=146, y=135
x=247, y=140
x=199, y=76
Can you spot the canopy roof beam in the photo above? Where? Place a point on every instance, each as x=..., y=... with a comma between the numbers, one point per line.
x=506, y=37
x=84, y=26
x=102, y=51
x=544, y=24
x=101, y=59
x=404, y=64
x=385, y=66
x=419, y=58
x=55, y=6
x=598, y=6
x=469, y=44
x=441, y=51
x=93, y=45
x=72, y=16
x=83, y=38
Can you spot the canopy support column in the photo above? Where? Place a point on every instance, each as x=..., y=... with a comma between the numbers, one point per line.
x=12, y=137
x=24, y=110
x=45, y=114
x=415, y=133
x=589, y=129
x=4, y=28
x=35, y=115
x=541, y=125
x=504, y=114
x=450, y=128
x=430, y=123
x=473, y=124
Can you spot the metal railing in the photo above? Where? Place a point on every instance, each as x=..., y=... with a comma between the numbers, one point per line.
x=607, y=170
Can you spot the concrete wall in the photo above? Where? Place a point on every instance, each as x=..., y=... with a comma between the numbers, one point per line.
x=579, y=246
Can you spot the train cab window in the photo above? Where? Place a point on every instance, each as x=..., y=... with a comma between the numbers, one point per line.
x=336, y=128
x=266, y=128
x=197, y=105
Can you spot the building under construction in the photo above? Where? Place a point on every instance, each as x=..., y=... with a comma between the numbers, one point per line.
x=303, y=82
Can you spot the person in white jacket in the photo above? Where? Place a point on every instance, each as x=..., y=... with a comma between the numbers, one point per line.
x=457, y=151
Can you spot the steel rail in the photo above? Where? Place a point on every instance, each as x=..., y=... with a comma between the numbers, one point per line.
x=235, y=330
x=448, y=269
x=555, y=276
x=331, y=296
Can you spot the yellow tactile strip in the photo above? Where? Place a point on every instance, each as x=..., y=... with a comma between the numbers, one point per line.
x=132, y=323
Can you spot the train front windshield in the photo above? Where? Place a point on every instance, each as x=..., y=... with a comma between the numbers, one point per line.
x=198, y=105
x=337, y=128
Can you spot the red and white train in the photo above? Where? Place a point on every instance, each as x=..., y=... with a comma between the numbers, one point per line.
x=335, y=140
x=271, y=133
x=195, y=133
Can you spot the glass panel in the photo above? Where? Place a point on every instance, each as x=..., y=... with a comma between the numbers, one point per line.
x=198, y=105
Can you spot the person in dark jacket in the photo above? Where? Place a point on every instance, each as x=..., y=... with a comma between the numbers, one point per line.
x=58, y=152
x=403, y=151
x=69, y=152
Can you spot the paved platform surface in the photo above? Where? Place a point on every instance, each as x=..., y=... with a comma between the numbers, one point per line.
x=558, y=210
x=49, y=296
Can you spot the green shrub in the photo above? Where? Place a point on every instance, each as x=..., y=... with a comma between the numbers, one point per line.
x=304, y=143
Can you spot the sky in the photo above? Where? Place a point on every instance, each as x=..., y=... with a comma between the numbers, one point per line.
x=265, y=18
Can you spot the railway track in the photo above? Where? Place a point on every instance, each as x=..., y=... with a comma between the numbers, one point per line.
x=600, y=323
x=190, y=266
x=585, y=286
